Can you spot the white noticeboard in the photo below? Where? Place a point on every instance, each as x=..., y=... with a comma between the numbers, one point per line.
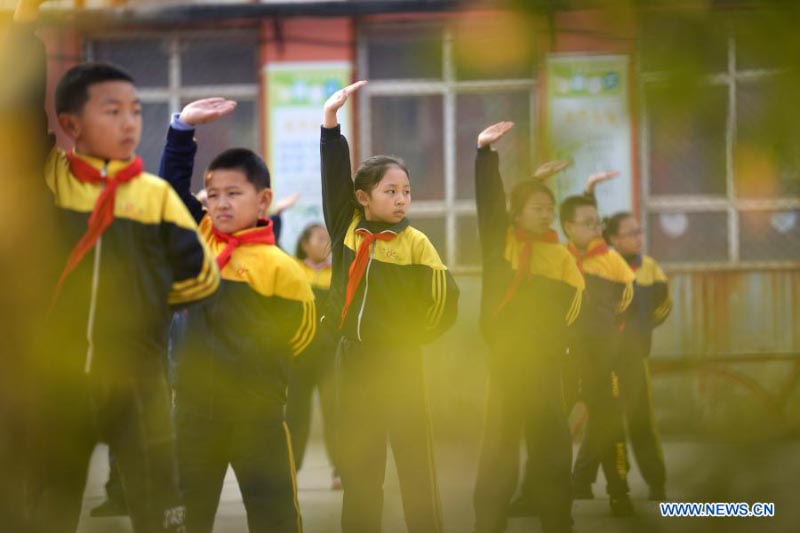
x=295, y=96
x=588, y=122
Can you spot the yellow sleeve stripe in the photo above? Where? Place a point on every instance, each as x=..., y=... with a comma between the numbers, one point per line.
x=663, y=310
x=307, y=330
x=439, y=293
x=195, y=289
x=627, y=298
x=575, y=308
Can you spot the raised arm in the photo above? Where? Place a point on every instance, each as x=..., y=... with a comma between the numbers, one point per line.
x=337, y=179
x=23, y=119
x=490, y=197
x=177, y=159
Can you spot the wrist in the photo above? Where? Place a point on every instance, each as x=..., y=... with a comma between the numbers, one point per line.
x=329, y=119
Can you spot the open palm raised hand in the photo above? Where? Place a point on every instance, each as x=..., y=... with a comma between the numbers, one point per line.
x=206, y=110
x=493, y=133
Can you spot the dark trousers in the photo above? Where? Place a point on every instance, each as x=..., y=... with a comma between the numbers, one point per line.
x=113, y=486
x=637, y=399
x=525, y=390
x=383, y=397
x=255, y=442
x=314, y=369
x=133, y=416
x=604, y=439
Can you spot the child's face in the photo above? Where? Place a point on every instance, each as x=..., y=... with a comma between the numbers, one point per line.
x=628, y=241
x=585, y=227
x=318, y=245
x=389, y=200
x=110, y=124
x=537, y=214
x=233, y=202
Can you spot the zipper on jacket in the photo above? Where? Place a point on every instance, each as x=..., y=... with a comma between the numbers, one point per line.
x=87, y=367
x=366, y=290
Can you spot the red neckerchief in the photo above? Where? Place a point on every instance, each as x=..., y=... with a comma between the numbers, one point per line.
x=359, y=265
x=103, y=212
x=524, y=264
x=596, y=247
x=261, y=235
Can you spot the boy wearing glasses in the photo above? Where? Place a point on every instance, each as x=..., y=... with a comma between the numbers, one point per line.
x=609, y=291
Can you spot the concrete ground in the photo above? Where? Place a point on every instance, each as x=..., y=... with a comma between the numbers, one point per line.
x=698, y=472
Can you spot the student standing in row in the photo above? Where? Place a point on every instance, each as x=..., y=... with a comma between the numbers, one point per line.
x=609, y=290
x=315, y=370
x=130, y=252
x=233, y=365
x=390, y=294
x=531, y=294
x=650, y=307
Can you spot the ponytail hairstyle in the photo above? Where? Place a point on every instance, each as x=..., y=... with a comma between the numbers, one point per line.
x=304, y=238
x=611, y=224
x=371, y=172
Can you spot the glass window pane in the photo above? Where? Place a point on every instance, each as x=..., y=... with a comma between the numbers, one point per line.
x=767, y=157
x=155, y=120
x=474, y=112
x=404, y=52
x=689, y=237
x=219, y=61
x=147, y=60
x=411, y=127
x=770, y=235
x=238, y=130
x=477, y=41
x=468, y=252
x=686, y=126
x=684, y=42
x=435, y=229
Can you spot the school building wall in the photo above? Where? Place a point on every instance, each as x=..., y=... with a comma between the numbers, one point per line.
x=721, y=308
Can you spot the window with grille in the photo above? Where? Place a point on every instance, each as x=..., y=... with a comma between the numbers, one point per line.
x=720, y=157
x=432, y=89
x=173, y=71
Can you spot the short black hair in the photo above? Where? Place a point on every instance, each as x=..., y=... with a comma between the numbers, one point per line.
x=523, y=190
x=611, y=224
x=566, y=212
x=72, y=91
x=246, y=161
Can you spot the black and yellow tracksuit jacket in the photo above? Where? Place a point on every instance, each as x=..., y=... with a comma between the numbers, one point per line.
x=114, y=309
x=319, y=279
x=651, y=304
x=609, y=289
x=407, y=296
x=549, y=299
x=239, y=343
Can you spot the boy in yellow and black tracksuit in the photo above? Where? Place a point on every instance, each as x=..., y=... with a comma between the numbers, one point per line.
x=532, y=292
x=233, y=365
x=406, y=298
x=102, y=377
x=595, y=347
x=650, y=307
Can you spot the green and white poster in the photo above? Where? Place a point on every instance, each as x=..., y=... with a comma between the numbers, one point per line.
x=296, y=93
x=588, y=122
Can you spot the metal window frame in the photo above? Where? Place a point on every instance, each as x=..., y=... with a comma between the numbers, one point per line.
x=175, y=91
x=729, y=203
x=451, y=208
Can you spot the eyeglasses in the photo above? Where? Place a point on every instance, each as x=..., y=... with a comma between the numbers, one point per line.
x=590, y=224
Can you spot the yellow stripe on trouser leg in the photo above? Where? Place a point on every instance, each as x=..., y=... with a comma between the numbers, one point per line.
x=294, y=477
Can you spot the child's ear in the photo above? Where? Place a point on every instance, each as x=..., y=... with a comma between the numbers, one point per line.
x=70, y=125
x=265, y=200
x=362, y=197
